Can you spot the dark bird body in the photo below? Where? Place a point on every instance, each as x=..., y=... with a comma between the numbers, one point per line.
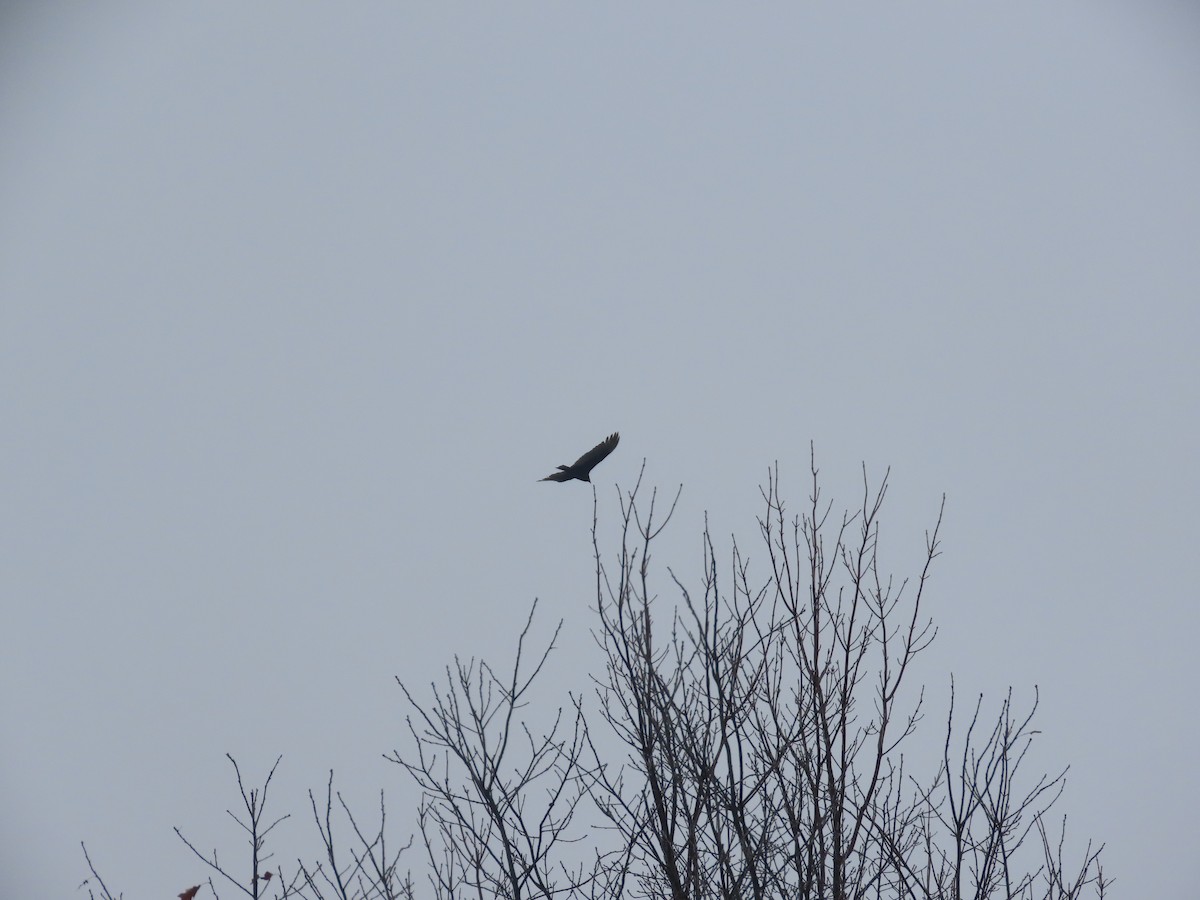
x=581, y=469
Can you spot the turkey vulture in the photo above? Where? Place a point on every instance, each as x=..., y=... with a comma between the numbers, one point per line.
x=583, y=466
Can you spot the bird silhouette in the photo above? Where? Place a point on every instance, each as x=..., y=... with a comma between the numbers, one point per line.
x=581, y=469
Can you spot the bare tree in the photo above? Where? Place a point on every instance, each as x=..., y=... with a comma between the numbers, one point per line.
x=764, y=722
x=746, y=739
x=257, y=828
x=372, y=872
x=498, y=800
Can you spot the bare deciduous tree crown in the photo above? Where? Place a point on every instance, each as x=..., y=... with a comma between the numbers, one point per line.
x=760, y=724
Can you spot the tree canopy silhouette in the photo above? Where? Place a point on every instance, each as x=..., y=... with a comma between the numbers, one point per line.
x=747, y=732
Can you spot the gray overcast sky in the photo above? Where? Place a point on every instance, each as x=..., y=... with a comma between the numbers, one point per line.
x=298, y=301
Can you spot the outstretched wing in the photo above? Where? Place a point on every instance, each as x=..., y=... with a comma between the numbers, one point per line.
x=592, y=458
x=564, y=475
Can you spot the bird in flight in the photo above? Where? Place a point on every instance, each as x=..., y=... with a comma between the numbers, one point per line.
x=582, y=467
